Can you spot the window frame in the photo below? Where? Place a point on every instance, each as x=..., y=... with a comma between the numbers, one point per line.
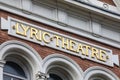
x=14, y=76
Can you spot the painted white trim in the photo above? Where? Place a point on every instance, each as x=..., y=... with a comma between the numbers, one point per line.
x=93, y=9
x=101, y=5
x=117, y=2
x=2, y=62
x=99, y=70
x=14, y=56
x=63, y=62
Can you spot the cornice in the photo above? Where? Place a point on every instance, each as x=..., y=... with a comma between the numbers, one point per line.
x=93, y=8
x=70, y=18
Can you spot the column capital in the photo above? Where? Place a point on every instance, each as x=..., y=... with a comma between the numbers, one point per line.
x=41, y=76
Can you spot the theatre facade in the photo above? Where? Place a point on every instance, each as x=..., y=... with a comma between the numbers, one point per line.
x=59, y=40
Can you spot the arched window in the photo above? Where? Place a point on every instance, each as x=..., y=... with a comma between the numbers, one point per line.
x=99, y=73
x=58, y=73
x=61, y=67
x=22, y=61
x=13, y=71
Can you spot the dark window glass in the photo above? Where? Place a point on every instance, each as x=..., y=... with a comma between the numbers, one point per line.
x=97, y=79
x=54, y=77
x=13, y=71
x=5, y=77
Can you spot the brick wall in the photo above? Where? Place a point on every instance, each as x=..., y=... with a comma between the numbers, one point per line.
x=45, y=51
x=108, y=2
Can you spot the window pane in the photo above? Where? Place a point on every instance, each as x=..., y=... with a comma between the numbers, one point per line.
x=54, y=77
x=5, y=77
x=17, y=79
x=14, y=69
x=97, y=79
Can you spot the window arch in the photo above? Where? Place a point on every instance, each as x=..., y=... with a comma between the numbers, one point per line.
x=14, y=60
x=23, y=55
x=99, y=73
x=63, y=67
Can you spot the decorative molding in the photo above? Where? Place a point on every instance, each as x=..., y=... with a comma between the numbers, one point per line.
x=50, y=16
x=41, y=76
x=27, y=6
x=106, y=13
x=117, y=2
x=96, y=28
x=62, y=17
x=2, y=62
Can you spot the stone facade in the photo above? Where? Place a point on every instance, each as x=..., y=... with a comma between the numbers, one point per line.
x=95, y=27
